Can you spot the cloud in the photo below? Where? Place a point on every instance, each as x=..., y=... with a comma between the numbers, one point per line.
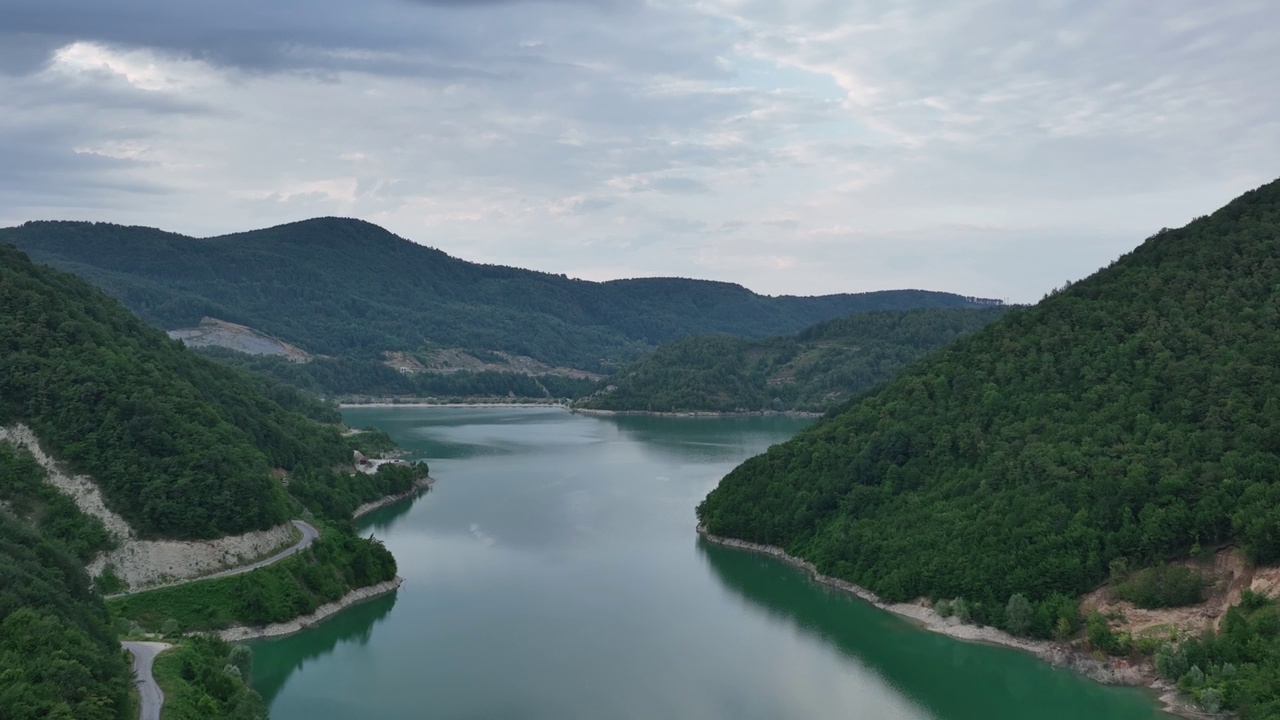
x=981, y=146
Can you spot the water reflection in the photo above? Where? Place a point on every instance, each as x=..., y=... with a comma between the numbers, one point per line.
x=951, y=679
x=275, y=660
x=702, y=439
x=386, y=516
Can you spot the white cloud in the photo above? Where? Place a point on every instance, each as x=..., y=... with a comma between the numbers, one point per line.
x=983, y=146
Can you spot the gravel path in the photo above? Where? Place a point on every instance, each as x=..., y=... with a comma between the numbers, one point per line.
x=149, y=693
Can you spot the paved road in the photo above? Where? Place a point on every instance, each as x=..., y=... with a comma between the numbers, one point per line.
x=148, y=691
x=309, y=535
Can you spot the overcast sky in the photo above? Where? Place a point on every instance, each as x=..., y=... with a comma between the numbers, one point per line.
x=990, y=147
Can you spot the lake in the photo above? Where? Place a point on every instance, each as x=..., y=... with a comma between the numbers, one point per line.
x=553, y=572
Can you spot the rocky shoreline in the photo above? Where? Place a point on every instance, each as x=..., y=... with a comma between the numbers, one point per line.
x=306, y=622
x=418, y=486
x=1109, y=672
x=425, y=402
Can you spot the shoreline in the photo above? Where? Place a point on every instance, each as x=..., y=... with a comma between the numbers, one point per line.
x=423, y=403
x=418, y=487
x=697, y=413
x=306, y=622
x=1055, y=653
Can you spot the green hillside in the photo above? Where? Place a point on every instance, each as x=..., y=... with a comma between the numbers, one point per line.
x=181, y=446
x=349, y=288
x=820, y=367
x=1134, y=415
x=59, y=660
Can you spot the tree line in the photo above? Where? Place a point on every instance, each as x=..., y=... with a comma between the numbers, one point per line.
x=1133, y=415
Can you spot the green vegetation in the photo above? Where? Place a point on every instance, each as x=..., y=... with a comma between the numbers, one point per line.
x=351, y=289
x=821, y=366
x=181, y=446
x=337, y=563
x=1161, y=587
x=32, y=500
x=1134, y=414
x=1237, y=667
x=330, y=377
x=58, y=658
x=336, y=494
x=204, y=679
x=371, y=441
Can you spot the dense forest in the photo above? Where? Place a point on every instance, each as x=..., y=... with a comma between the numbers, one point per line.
x=820, y=367
x=1133, y=416
x=59, y=659
x=181, y=446
x=349, y=288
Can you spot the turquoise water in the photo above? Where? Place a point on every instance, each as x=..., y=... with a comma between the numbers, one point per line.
x=554, y=572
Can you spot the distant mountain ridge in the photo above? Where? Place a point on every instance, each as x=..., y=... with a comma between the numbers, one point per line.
x=814, y=370
x=346, y=287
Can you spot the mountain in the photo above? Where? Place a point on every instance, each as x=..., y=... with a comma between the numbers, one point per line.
x=1130, y=419
x=349, y=288
x=171, y=446
x=180, y=446
x=819, y=367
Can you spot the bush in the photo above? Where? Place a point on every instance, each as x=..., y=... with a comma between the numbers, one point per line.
x=1162, y=587
x=1101, y=637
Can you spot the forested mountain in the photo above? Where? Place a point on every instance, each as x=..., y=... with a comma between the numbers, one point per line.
x=181, y=446
x=1134, y=415
x=59, y=658
x=349, y=288
x=820, y=367
x=345, y=376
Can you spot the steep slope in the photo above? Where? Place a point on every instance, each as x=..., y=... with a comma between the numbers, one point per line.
x=179, y=446
x=60, y=658
x=346, y=287
x=1135, y=414
x=820, y=367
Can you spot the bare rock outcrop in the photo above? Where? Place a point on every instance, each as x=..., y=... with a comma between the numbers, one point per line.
x=144, y=563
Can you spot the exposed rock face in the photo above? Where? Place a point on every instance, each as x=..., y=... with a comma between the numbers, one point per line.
x=213, y=332
x=452, y=360
x=79, y=488
x=143, y=563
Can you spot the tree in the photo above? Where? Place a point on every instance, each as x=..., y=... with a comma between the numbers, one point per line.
x=1018, y=614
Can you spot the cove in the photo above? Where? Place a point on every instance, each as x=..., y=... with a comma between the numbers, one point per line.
x=554, y=572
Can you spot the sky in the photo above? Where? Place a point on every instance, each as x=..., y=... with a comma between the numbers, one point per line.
x=988, y=147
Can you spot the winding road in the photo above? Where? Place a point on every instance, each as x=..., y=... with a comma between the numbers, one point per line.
x=144, y=653
x=309, y=535
x=151, y=698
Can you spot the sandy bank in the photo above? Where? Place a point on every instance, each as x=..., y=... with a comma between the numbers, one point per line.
x=418, y=487
x=696, y=413
x=1110, y=671
x=237, y=634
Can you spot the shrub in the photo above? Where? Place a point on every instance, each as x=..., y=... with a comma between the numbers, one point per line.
x=1162, y=587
